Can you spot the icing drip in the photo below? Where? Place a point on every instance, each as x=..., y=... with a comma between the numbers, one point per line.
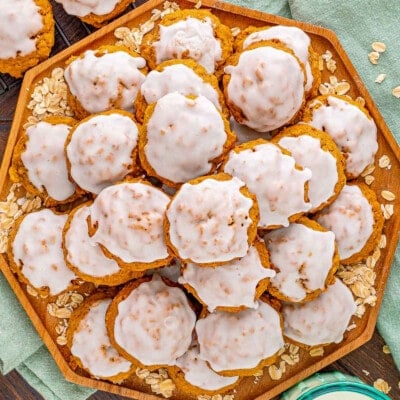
x=230, y=341
x=104, y=82
x=130, y=221
x=199, y=374
x=154, y=323
x=267, y=84
x=293, y=38
x=307, y=152
x=100, y=151
x=304, y=258
x=273, y=178
x=229, y=285
x=352, y=131
x=92, y=346
x=38, y=253
x=177, y=78
x=209, y=221
x=350, y=217
x=320, y=321
x=83, y=252
x=170, y=144
x=191, y=37
x=20, y=22
x=81, y=8
x=45, y=161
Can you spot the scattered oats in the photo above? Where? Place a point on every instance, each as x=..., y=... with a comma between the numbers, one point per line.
x=63, y=313
x=368, y=170
x=380, y=78
x=382, y=241
x=281, y=351
x=396, y=92
x=369, y=179
x=351, y=327
x=235, y=31
x=52, y=309
x=360, y=100
x=293, y=349
x=360, y=311
x=331, y=65
x=387, y=210
x=379, y=47
x=327, y=56
x=142, y=373
x=198, y=5
x=147, y=27
x=61, y=340
x=388, y=195
x=77, y=298
x=323, y=89
x=165, y=388
x=386, y=349
x=32, y=291
x=290, y=360
x=384, y=162
x=316, y=352
x=365, y=372
x=373, y=57
x=274, y=372
x=342, y=88
x=382, y=385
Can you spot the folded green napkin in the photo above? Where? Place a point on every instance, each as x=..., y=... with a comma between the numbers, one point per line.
x=358, y=23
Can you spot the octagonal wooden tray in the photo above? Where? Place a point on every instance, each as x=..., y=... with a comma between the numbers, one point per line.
x=385, y=179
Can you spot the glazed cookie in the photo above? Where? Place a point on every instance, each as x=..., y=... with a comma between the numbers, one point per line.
x=264, y=86
x=35, y=252
x=151, y=322
x=104, y=79
x=305, y=257
x=295, y=39
x=90, y=345
x=321, y=321
x=39, y=161
x=211, y=220
x=193, y=375
x=240, y=343
x=176, y=150
x=85, y=257
x=102, y=150
x=356, y=219
x=315, y=150
x=126, y=220
x=95, y=12
x=183, y=76
x=350, y=126
x=271, y=173
x=231, y=287
x=26, y=34
x=195, y=34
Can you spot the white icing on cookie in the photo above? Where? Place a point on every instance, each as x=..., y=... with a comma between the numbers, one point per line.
x=199, y=374
x=267, y=84
x=20, y=22
x=82, y=252
x=92, y=346
x=351, y=218
x=230, y=341
x=353, y=132
x=38, y=253
x=177, y=78
x=44, y=159
x=307, y=152
x=82, y=8
x=192, y=37
x=171, y=143
x=322, y=320
x=100, y=83
x=304, y=258
x=209, y=221
x=130, y=221
x=229, y=285
x=154, y=323
x=100, y=151
x=273, y=178
x=292, y=37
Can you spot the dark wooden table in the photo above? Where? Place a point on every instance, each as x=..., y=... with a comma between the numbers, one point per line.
x=368, y=362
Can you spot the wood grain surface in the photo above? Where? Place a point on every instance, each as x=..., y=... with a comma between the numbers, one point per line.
x=12, y=387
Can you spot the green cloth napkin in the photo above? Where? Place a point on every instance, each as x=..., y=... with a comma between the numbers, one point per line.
x=358, y=23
